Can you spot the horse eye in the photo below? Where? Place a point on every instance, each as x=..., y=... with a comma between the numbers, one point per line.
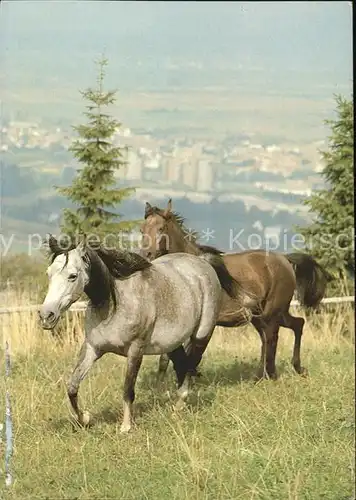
x=72, y=277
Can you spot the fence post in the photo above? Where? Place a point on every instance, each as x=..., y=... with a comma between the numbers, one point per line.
x=8, y=419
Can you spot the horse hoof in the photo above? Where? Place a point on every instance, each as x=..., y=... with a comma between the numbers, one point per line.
x=303, y=372
x=125, y=428
x=84, y=419
x=180, y=404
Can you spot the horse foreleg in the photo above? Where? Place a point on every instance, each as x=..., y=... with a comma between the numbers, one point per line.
x=133, y=364
x=87, y=357
x=296, y=324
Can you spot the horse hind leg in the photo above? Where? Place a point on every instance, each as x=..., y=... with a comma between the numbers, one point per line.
x=296, y=324
x=162, y=367
x=196, y=348
x=180, y=362
x=87, y=357
x=268, y=332
x=259, y=326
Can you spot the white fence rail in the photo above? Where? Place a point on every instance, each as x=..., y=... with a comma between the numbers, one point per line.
x=81, y=306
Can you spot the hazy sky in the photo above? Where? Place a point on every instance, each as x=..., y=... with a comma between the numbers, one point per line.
x=61, y=39
x=308, y=34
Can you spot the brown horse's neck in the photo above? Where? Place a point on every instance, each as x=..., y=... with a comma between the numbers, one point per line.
x=179, y=241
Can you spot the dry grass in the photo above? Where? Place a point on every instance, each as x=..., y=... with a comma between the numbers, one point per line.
x=290, y=439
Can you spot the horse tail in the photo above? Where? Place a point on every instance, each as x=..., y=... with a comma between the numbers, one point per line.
x=312, y=279
x=227, y=282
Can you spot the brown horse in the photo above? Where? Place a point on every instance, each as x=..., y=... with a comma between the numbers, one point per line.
x=269, y=280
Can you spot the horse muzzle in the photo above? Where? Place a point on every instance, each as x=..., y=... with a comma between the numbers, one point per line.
x=48, y=318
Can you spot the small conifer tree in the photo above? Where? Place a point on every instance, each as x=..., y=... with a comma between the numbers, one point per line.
x=94, y=189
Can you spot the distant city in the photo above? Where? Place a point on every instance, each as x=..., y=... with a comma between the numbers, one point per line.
x=197, y=165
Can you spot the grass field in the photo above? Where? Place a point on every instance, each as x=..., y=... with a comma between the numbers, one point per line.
x=289, y=439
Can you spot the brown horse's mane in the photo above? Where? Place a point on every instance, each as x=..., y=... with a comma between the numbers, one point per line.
x=180, y=220
x=176, y=217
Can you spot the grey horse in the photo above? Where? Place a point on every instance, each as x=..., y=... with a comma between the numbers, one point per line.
x=136, y=308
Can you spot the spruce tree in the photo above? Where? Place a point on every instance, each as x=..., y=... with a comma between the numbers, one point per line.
x=330, y=237
x=93, y=190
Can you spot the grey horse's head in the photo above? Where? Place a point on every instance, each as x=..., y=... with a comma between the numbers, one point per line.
x=83, y=268
x=68, y=276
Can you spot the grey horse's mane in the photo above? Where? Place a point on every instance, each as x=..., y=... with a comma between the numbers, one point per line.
x=181, y=222
x=105, y=265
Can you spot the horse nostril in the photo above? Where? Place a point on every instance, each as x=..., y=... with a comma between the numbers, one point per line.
x=47, y=316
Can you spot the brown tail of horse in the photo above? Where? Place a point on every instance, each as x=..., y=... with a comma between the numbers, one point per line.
x=228, y=283
x=311, y=277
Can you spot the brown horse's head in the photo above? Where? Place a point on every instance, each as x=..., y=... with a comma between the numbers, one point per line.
x=155, y=231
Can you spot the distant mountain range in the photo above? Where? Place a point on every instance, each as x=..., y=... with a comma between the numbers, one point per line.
x=230, y=225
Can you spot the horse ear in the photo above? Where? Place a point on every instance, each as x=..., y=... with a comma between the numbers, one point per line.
x=82, y=247
x=53, y=243
x=169, y=208
x=148, y=208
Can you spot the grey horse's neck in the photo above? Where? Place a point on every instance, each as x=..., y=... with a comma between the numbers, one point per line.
x=101, y=289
